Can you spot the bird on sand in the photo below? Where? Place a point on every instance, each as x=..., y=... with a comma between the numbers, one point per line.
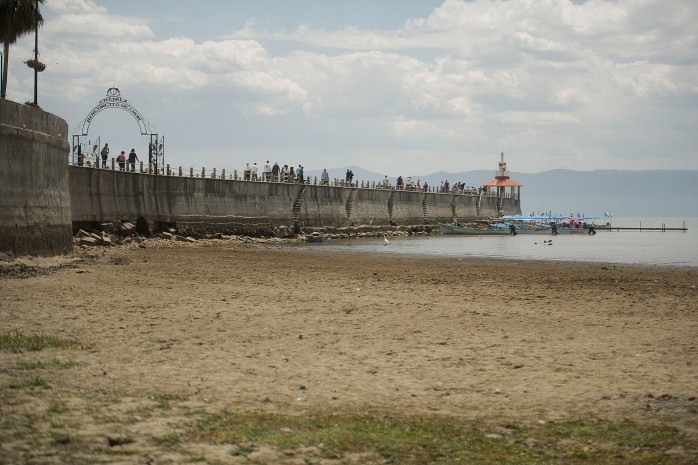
x=385, y=239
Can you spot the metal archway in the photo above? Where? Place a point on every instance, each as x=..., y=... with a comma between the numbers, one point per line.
x=81, y=148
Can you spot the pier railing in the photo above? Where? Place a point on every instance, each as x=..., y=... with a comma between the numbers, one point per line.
x=204, y=173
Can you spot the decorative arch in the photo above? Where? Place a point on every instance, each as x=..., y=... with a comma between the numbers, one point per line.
x=113, y=99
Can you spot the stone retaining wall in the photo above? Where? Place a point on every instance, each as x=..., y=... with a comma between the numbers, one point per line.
x=256, y=208
x=35, y=216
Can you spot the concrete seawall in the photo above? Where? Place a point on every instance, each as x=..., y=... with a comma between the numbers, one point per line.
x=35, y=216
x=43, y=200
x=257, y=208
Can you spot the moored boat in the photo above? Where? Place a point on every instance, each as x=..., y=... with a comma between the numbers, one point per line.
x=315, y=237
x=551, y=224
x=480, y=229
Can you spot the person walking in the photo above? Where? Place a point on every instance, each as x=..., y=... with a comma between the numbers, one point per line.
x=105, y=155
x=299, y=174
x=132, y=159
x=121, y=159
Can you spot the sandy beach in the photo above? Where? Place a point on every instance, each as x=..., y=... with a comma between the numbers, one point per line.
x=214, y=326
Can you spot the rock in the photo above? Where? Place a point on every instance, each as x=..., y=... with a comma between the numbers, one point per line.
x=190, y=239
x=88, y=241
x=106, y=241
x=118, y=440
x=166, y=235
x=82, y=233
x=61, y=439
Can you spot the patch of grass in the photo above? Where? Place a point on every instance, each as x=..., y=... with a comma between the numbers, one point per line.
x=36, y=382
x=54, y=363
x=169, y=439
x=348, y=310
x=57, y=408
x=446, y=440
x=17, y=342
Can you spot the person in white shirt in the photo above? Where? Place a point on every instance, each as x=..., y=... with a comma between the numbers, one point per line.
x=253, y=172
x=325, y=177
x=267, y=171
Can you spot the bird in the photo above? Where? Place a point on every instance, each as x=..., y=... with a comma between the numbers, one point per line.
x=385, y=239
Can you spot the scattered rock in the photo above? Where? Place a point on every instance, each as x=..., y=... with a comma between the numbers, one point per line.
x=61, y=439
x=118, y=440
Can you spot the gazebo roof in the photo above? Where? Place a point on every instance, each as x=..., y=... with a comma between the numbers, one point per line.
x=503, y=182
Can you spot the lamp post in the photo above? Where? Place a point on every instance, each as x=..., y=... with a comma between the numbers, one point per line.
x=36, y=53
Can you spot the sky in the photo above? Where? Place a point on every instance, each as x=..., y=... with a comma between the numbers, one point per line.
x=400, y=87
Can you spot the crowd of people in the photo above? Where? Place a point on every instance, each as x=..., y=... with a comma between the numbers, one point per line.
x=122, y=159
x=274, y=173
x=126, y=161
x=290, y=174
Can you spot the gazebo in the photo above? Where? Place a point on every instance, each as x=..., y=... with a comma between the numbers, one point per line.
x=502, y=181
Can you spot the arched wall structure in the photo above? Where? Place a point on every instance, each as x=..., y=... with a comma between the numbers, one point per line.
x=114, y=100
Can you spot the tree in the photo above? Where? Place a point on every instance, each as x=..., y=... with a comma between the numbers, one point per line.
x=17, y=18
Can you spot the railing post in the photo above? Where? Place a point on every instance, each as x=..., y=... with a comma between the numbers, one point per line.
x=113, y=164
x=191, y=172
x=213, y=173
x=203, y=171
x=223, y=173
x=141, y=167
x=235, y=175
x=169, y=173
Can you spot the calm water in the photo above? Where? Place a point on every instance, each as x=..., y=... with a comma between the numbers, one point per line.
x=646, y=247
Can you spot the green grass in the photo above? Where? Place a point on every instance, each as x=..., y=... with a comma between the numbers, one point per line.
x=445, y=440
x=16, y=342
x=36, y=382
x=54, y=363
x=57, y=408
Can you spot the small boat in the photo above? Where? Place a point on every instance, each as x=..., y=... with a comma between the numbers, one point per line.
x=315, y=237
x=480, y=229
x=551, y=224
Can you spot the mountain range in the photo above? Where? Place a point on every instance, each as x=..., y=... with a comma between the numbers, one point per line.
x=664, y=193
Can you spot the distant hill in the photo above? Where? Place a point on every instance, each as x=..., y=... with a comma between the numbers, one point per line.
x=620, y=192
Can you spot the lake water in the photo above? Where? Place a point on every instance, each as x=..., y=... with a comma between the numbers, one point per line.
x=647, y=247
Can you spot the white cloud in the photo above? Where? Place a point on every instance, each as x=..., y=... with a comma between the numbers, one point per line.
x=463, y=79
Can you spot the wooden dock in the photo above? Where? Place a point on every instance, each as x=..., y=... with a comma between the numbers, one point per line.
x=662, y=228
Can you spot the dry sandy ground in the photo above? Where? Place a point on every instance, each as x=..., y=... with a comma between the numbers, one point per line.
x=180, y=329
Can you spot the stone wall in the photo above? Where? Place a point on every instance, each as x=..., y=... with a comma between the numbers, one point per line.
x=35, y=216
x=256, y=208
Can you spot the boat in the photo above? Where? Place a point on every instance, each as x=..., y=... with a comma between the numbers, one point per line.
x=315, y=237
x=527, y=224
x=551, y=224
x=479, y=229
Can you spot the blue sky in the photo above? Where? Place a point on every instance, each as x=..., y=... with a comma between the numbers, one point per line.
x=403, y=87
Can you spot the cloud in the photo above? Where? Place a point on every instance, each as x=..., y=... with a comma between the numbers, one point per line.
x=462, y=79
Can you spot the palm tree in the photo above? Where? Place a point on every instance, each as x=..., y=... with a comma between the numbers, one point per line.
x=17, y=18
